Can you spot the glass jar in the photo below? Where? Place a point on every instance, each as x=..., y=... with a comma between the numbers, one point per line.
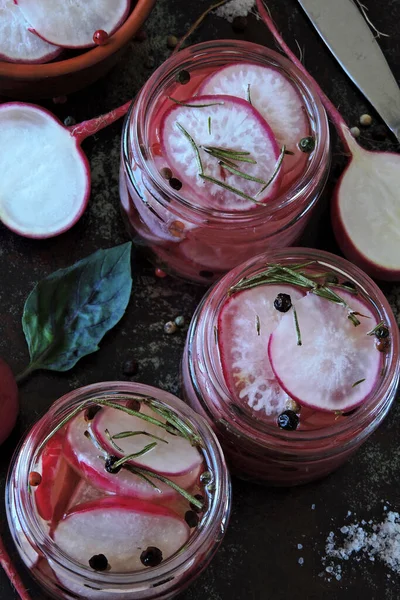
x=196, y=242
x=64, y=578
x=258, y=449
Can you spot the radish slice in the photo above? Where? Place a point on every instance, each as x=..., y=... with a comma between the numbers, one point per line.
x=228, y=123
x=72, y=24
x=120, y=528
x=17, y=43
x=275, y=98
x=84, y=492
x=86, y=459
x=337, y=365
x=45, y=182
x=244, y=346
x=173, y=457
x=58, y=481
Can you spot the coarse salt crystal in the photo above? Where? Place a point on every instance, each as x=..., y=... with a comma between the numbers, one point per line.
x=235, y=8
x=301, y=560
x=299, y=546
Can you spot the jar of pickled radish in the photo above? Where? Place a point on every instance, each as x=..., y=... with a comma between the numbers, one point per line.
x=225, y=153
x=294, y=359
x=119, y=492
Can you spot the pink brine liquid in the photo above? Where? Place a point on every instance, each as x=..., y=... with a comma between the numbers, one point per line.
x=221, y=168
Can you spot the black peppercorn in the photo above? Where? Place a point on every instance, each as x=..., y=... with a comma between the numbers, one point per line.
x=130, y=367
x=379, y=133
x=183, y=77
x=288, y=420
x=349, y=284
x=98, y=562
x=175, y=183
x=191, y=518
x=382, y=332
x=283, y=302
x=307, y=144
x=91, y=412
x=239, y=24
x=151, y=557
x=109, y=465
x=331, y=278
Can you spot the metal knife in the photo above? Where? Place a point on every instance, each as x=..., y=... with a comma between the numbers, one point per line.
x=347, y=35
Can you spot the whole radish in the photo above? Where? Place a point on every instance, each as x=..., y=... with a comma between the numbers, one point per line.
x=365, y=208
x=8, y=401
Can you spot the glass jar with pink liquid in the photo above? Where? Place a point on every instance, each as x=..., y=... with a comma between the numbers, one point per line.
x=119, y=492
x=225, y=153
x=294, y=359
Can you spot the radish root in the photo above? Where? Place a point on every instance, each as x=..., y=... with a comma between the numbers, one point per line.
x=10, y=570
x=363, y=10
x=198, y=22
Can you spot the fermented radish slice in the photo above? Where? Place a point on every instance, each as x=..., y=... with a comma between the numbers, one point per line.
x=58, y=481
x=226, y=123
x=17, y=43
x=337, y=365
x=45, y=177
x=72, y=24
x=173, y=457
x=243, y=342
x=86, y=459
x=275, y=98
x=120, y=528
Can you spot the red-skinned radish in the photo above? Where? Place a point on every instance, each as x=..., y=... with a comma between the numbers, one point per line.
x=12, y=573
x=17, y=43
x=9, y=404
x=172, y=457
x=45, y=183
x=196, y=131
x=121, y=529
x=245, y=324
x=365, y=215
x=336, y=365
x=73, y=24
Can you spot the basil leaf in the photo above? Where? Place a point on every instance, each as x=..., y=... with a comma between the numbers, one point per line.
x=68, y=313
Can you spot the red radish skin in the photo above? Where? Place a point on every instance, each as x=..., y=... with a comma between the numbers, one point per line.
x=85, y=458
x=275, y=98
x=236, y=125
x=9, y=405
x=365, y=207
x=336, y=366
x=175, y=458
x=243, y=344
x=73, y=24
x=120, y=528
x=12, y=573
x=32, y=211
x=17, y=43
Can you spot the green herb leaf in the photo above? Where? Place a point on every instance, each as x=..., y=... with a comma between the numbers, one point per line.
x=358, y=382
x=68, y=313
x=296, y=324
x=258, y=325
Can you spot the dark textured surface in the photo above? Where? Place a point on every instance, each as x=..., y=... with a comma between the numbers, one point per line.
x=259, y=557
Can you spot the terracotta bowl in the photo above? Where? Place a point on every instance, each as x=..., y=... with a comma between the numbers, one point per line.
x=22, y=81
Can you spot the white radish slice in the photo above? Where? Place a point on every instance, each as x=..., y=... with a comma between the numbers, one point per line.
x=88, y=461
x=243, y=342
x=275, y=98
x=72, y=24
x=173, y=457
x=337, y=365
x=17, y=43
x=228, y=123
x=365, y=211
x=45, y=181
x=120, y=528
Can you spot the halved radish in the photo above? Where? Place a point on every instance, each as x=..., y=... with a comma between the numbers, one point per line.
x=231, y=125
x=45, y=181
x=337, y=365
x=275, y=98
x=121, y=529
x=72, y=24
x=173, y=457
x=17, y=43
x=87, y=460
x=245, y=324
x=58, y=482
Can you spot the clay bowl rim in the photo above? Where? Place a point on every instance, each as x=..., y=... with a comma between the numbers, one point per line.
x=88, y=58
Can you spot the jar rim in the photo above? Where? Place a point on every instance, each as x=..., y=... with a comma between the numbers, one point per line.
x=268, y=435
x=214, y=521
x=136, y=121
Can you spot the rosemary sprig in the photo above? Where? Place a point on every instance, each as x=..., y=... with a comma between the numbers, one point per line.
x=193, y=144
x=124, y=459
x=209, y=125
x=56, y=429
x=223, y=153
x=249, y=94
x=234, y=171
x=258, y=325
x=358, y=382
x=195, y=105
x=179, y=425
x=294, y=275
x=275, y=172
x=296, y=324
x=230, y=188
x=113, y=444
x=125, y=434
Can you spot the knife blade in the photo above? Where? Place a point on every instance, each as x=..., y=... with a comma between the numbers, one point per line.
x=349, y=38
